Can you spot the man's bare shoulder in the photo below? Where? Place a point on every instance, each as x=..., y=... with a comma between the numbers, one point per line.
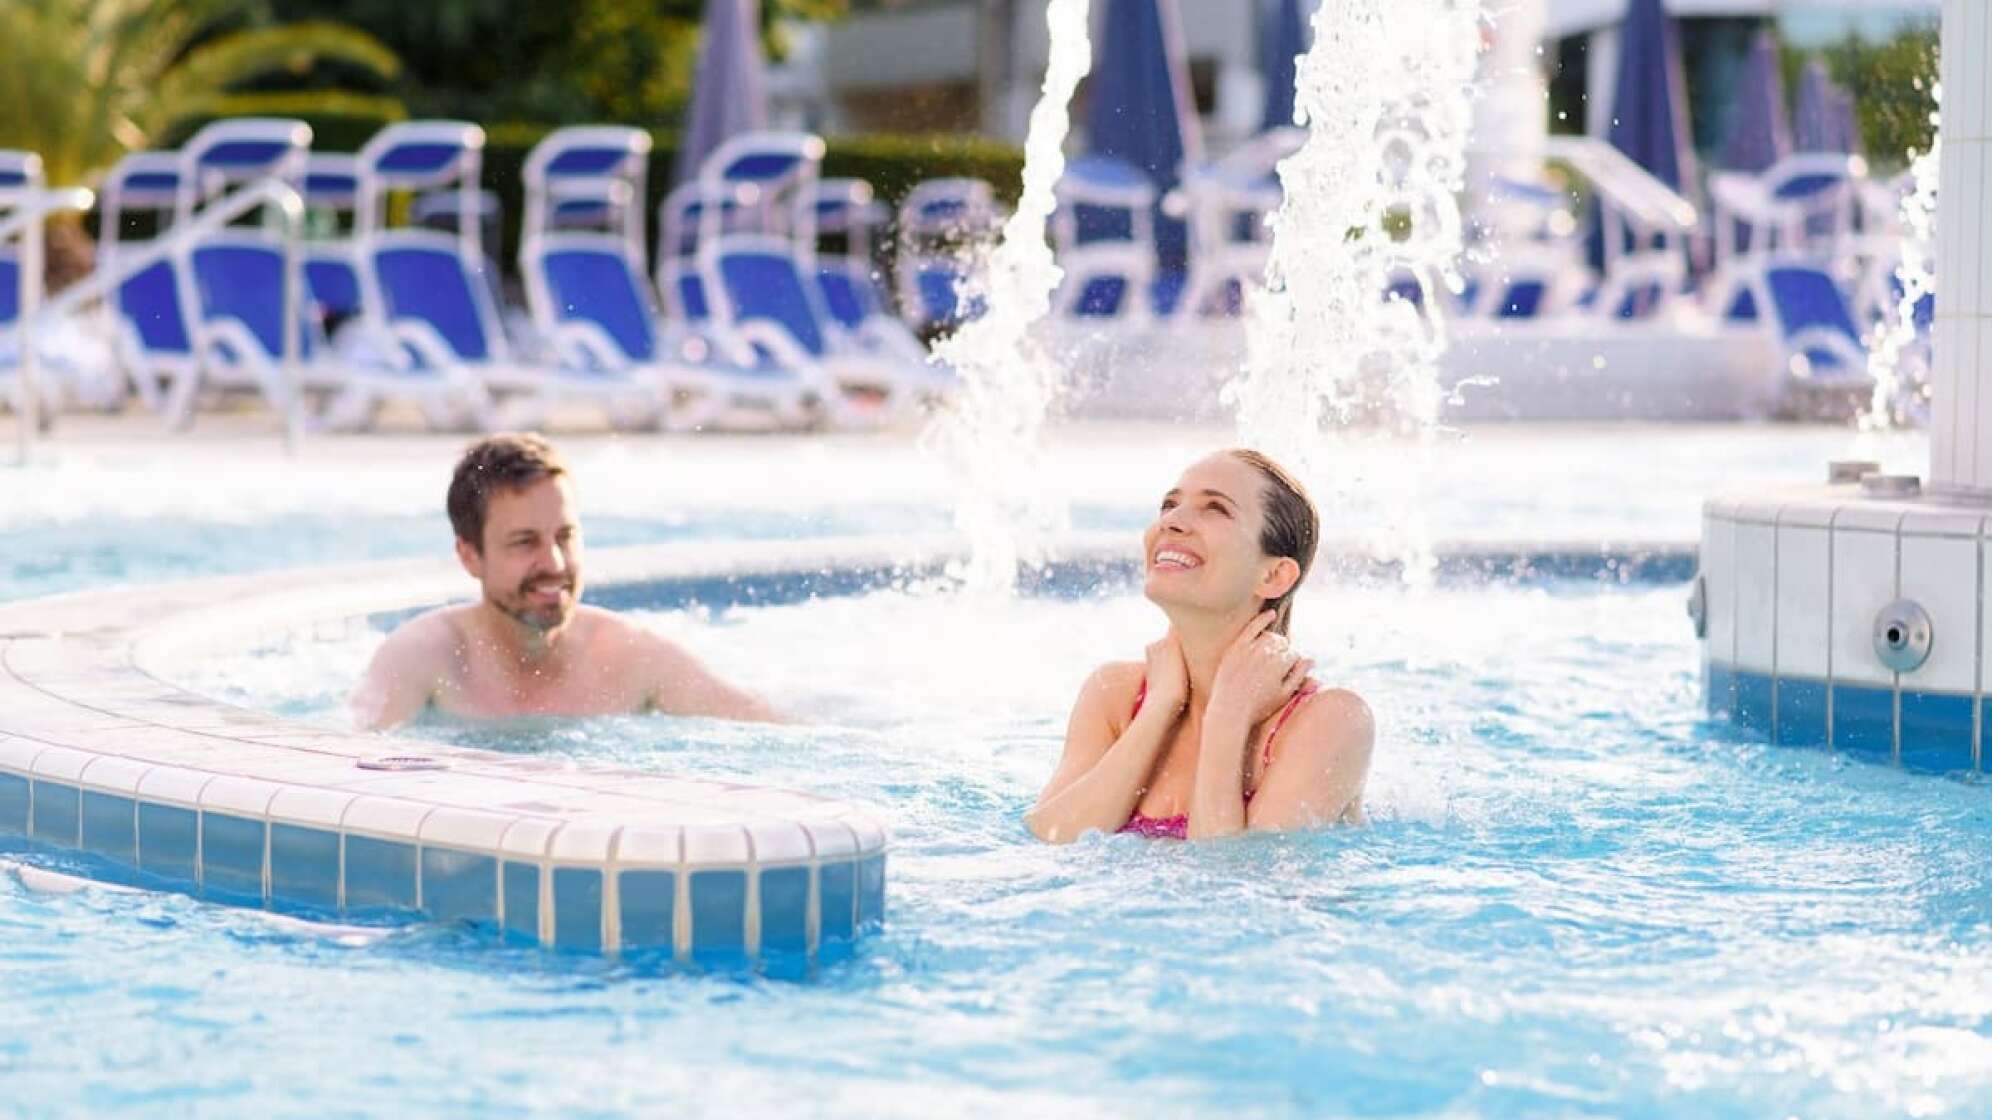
x=433, y=635
x=613, y=635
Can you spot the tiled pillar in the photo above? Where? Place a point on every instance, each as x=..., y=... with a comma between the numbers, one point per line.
x=1960, y=458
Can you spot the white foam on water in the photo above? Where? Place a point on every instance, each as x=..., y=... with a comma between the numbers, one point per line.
x=1009, y=383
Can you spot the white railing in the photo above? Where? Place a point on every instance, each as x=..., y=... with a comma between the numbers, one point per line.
x=213, y=217
x=26, y=208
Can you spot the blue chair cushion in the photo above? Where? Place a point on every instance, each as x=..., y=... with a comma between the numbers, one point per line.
x=150, y=300
x=840, y=295
x=1807, y=297
x=245, y=282
x=1522, y=301
x=768, y=286
x=597, y=286
x=692, y=298
x=937, y=294
x=334, y=285
x=433, y=286
x=10, y=290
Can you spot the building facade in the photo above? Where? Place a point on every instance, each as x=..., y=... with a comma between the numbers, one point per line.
x=974, y=65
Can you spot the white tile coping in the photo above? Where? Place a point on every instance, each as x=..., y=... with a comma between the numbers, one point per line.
x=85, y=699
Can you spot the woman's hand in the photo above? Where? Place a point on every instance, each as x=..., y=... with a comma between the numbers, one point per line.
x=1168, y=682
x=1259, y=673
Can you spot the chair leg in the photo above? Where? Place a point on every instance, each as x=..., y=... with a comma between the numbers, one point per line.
x=473, y=403
x=689, y=406
x=183, y=390
x=351, y=409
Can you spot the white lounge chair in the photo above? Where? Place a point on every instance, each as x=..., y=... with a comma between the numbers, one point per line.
x=586, y=290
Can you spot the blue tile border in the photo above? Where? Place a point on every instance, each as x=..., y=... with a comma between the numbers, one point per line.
x=837, y=889
x=1801, y=713
x=647, y=902
x=380, y=877
x=719, y=917
x=232, y=858
x=55, y=816
x=1753, y=703
x=785, y=910
x=522, y=901
x=1864, y=721
x=110, y=827
x=577, y=909
x=459, y=886
x=14, y=799
x=199, y=800
x=168, y=842
x=1936, y=730
x=1719, y=687
x=739, y=916
x=304, y=868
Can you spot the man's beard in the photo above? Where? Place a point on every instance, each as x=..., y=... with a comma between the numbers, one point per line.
x=542, y=619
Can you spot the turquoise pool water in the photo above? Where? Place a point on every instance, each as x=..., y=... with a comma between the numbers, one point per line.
x=1578, y=898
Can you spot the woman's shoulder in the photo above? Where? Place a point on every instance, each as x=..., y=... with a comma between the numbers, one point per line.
x=1335, y=719
x=1114, y=686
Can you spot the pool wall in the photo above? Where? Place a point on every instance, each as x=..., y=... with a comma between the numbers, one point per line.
x=105, y=763
x=1799, y=592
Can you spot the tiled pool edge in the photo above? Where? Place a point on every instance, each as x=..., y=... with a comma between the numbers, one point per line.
x=161, y=787
x=1792, y=586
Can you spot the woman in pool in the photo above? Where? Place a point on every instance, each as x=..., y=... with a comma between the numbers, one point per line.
x=1219, y=730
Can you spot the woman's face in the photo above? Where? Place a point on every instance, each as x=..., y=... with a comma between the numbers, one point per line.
x=1202, y=550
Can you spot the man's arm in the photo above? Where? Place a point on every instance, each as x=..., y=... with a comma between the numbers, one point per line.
x=680, y=685
x=407, y=672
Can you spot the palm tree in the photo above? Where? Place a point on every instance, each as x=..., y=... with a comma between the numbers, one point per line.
x=83, y=82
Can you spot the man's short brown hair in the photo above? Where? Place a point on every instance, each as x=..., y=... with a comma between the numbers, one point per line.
x=508, y=461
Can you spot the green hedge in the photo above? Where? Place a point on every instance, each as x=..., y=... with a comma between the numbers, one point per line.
x=893, y=164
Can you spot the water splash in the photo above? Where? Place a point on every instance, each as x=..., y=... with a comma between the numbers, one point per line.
x=1371, y=203
x=1008, y=382
x=1895, y=345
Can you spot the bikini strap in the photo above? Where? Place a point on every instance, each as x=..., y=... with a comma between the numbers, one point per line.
x=1307, y=688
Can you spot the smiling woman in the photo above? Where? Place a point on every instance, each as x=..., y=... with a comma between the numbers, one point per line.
x=1220, y=729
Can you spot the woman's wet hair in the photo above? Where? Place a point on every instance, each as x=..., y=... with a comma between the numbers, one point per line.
x=1292, y=528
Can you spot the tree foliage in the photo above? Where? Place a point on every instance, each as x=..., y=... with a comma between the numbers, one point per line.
x=624, y=61
x=84, y=81
x=1893, y=83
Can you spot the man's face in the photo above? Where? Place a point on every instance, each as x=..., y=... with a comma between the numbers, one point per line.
x=531, y=562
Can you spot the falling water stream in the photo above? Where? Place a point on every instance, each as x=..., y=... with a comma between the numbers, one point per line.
x=1371, y=203
x=1371, y=200
x=1895, y=339
x=1009, y=381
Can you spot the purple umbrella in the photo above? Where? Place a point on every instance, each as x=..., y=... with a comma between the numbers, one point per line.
x=1139, y=107
x=1140, y=110
x=1823, y=112
x=1759, y=132
x=1846, y=124
x=1650, y=106
x=1282, y=40
x=728, y=94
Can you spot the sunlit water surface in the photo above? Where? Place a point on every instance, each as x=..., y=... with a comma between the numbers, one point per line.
x=1577, y=898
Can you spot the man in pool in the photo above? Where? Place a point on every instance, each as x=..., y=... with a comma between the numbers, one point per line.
x=528, y=648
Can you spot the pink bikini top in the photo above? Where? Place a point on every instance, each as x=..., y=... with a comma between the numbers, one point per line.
x=1178, y=827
